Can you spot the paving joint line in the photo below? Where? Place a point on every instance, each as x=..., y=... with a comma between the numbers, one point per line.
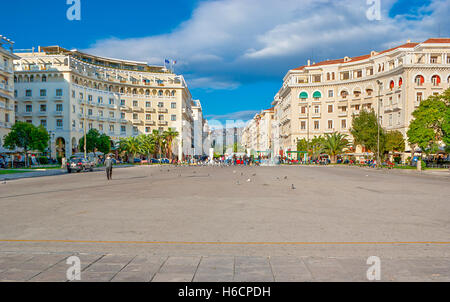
x=122, y=268
x=159, y=269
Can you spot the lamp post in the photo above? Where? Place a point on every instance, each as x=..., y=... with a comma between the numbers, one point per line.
x=378, y=122
x=84, y=122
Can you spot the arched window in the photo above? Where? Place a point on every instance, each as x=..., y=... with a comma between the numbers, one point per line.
x=448, y=79
x=419, y=80
x=173, y=92
x=436, y=80
x=391, y=85
x=160, y=93
x=317, y=95
x=44, y=78
x=304, y=95
x=333, y=76
x=344, y=94
x=400, y=83
x=328, y=76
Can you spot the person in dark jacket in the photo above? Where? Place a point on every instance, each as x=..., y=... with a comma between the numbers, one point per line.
x=109, y=166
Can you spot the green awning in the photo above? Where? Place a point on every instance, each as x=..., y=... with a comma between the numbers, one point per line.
x=303, y=95
x=317, y=95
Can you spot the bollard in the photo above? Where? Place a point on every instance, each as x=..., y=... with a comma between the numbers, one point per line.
x=419, y=165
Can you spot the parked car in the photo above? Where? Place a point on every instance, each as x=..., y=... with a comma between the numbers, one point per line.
x=80, y=164
x=154, y=161
x=137, y=160
x=165, y=161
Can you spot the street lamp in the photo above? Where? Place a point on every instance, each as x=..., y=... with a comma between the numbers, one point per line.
x=378, y=122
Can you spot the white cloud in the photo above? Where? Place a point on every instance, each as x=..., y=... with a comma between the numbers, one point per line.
x=230, y=42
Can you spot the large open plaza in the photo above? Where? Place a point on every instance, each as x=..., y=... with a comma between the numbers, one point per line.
x=287, y=223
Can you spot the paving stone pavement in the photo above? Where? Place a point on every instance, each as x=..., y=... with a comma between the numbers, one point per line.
x=17, y=267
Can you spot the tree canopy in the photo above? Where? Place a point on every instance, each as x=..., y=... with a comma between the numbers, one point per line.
x=430, y=126
x=95, y=141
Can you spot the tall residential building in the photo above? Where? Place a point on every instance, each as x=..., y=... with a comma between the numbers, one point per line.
x=257, y=136
x=321, y=98
x=198, y=127
x=69, y=92
x=7, y=115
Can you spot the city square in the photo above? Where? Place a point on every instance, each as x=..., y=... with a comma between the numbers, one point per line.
x=286, y=223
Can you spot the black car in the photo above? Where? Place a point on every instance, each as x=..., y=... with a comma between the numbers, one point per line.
x=79, y=164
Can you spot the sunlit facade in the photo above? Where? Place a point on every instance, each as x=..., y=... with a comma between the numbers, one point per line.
x=68, y=92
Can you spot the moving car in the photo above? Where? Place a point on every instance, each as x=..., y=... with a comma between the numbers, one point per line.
x=80, y=164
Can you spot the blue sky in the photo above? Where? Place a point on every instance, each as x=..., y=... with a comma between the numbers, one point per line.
x=233, y=53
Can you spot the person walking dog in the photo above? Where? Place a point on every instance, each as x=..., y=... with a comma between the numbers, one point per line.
x=108, y=165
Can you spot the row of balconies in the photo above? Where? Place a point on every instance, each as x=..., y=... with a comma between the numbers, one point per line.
x=6, y=87
x=40, y=113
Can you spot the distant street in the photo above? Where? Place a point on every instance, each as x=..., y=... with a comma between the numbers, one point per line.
x=183, y=222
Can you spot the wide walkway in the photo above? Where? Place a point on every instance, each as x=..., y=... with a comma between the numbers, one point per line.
x=253, y=223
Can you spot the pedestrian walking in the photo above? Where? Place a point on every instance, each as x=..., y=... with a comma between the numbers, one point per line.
x=108, y=165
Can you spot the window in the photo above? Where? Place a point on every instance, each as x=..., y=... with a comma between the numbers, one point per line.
x=59, y=92
x=419, y=80
x=148, y=129
x=330, y=93
x=436, y=80
x=15, y=93
x=303, y=95
x=89, y=112
x=173, y=105
x=73, y=123
x=317, y=95
x=29, y=93
x=122, y=115
x=135, y=103
x=111, y=114
x=330, y=124
x=148, y=104
x=173, y=117
x=316, y=125
x=135, y=129
x=303, y=125
x=123, y=129
x=100, y=100
x=59, y=123
x=43, y=108
x=390, y=119
x=111, y=101
x=73, y=93
x=43, y=92
x=399, y=117
x=7, y=117
x=316, y=109
x=81, y=125
x=59, y=107
x=73, y=109
x=160, y=104
x=400, y=83
x=90, y=126
x=44, y=123
x=330, y=108
x=419, y=97
x=44, y=78
x=100, y=127
x=344, y=94
x=433, y=60
x=343, y=124
x=122, y=102
x=148, y=117
x=303, y=110
x=100, y=113
x=135, y=116
x=29, y=108
x=81, y=96
x=161, y=117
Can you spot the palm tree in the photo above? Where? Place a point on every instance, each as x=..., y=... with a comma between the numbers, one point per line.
x=170, y=135
x=147, y=145
x=131, y=145
x=158, y=141
x=335, y=144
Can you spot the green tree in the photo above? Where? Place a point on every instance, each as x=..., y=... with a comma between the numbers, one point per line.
x=28, y=137
x=131, y=145
x=365, y=131
x=158, y=140
x=147, y=145
x=170, y=135
x=430, y=125
x=394, y=142
x=316, y=146
x=95, y=141
x=302, y=145
x=334, y=144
